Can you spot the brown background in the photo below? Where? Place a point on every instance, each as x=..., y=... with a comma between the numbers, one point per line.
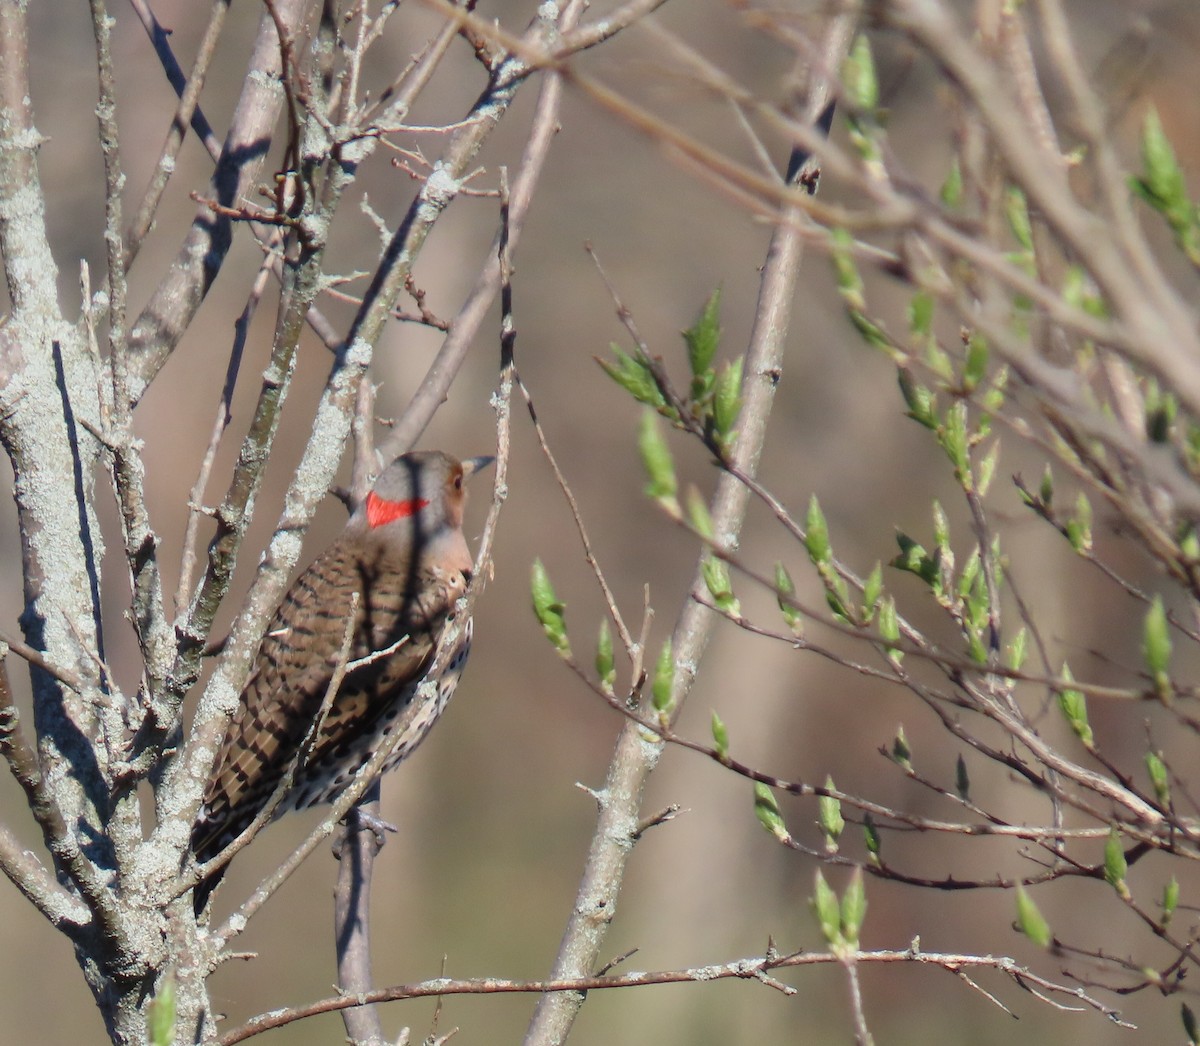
x=493, y=829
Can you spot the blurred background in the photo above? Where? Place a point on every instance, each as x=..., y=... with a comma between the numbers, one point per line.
x=493, y=826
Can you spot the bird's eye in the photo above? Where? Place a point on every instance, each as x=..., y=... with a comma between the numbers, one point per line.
x=458, y=482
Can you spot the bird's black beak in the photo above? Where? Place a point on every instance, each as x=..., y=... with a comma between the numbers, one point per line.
x=472, y=465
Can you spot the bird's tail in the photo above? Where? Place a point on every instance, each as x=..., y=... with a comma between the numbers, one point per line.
x=206, y=844
x=204, y=889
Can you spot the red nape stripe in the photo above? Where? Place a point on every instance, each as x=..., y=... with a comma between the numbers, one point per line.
x=380, y=511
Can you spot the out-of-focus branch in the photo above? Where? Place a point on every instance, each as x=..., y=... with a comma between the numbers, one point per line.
x=186, y=113
x=186, y=88
x=634, y=759
x=175, y=75
x=754, y=969
x=1165, y=339
x=220, y=423
x=174, y=303
x=466, y=324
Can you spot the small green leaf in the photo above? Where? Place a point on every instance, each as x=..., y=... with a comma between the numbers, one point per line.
x=1073, y=705
x=870, y=331
x=871, y=838
x=914, y=559
x=993, y=399
x=872, y=591
x=1170, y=899
x=854, y=908
x=971, y=577
x=953, y=438
x=698, y=514
x=849, y=280
x=941, y=525
x=920, y=314
x=663, y=690
x=1030, y=921
x=858, y=76
x=901, y=753
x=720, y=736
x=160, y=1018
x=1017, y=212
x=1079, y=526
x=938, y=360
x=1046, y=490
x=829, y=817
x=827, y=910
x=605, y=667
x=1160, y=779
x=1014, y=656
x=987, y=469
x=1163, y=176
x=1079, y=291
x=889, y=629
x=704, y=335
x=1115, y=865
x=766, y=809
x=976, y=648
x=816, y=534
x=716, y=579
x=786, y=590
x=1189, y=545
x=727, y=398
x=952, y=187
x=1156, y=646
x=1163, y=186
x=1189, y=1024
x=656, y=459
x=633, y=374
x=548, y=609
x=976, y=362
x=921, y=401
x=837, y=596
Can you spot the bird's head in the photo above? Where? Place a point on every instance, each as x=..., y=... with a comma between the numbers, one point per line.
x=422, y=492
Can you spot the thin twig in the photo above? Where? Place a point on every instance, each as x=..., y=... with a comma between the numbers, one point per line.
x=741, y=969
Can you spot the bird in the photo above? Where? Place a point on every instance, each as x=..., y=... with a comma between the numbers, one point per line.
x=388, y=586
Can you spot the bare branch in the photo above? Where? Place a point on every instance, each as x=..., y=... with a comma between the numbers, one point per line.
x=743, y=969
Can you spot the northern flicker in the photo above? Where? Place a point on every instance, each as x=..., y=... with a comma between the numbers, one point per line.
x=398, y=567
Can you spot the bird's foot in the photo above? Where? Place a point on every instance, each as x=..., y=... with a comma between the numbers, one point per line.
x=360, y=820
x=365, y=820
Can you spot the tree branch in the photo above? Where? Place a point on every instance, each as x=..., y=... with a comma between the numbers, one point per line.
x=635, y=759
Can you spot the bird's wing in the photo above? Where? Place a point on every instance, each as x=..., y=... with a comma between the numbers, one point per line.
x=394, y=657
x=292, y=670
x=295, y=665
